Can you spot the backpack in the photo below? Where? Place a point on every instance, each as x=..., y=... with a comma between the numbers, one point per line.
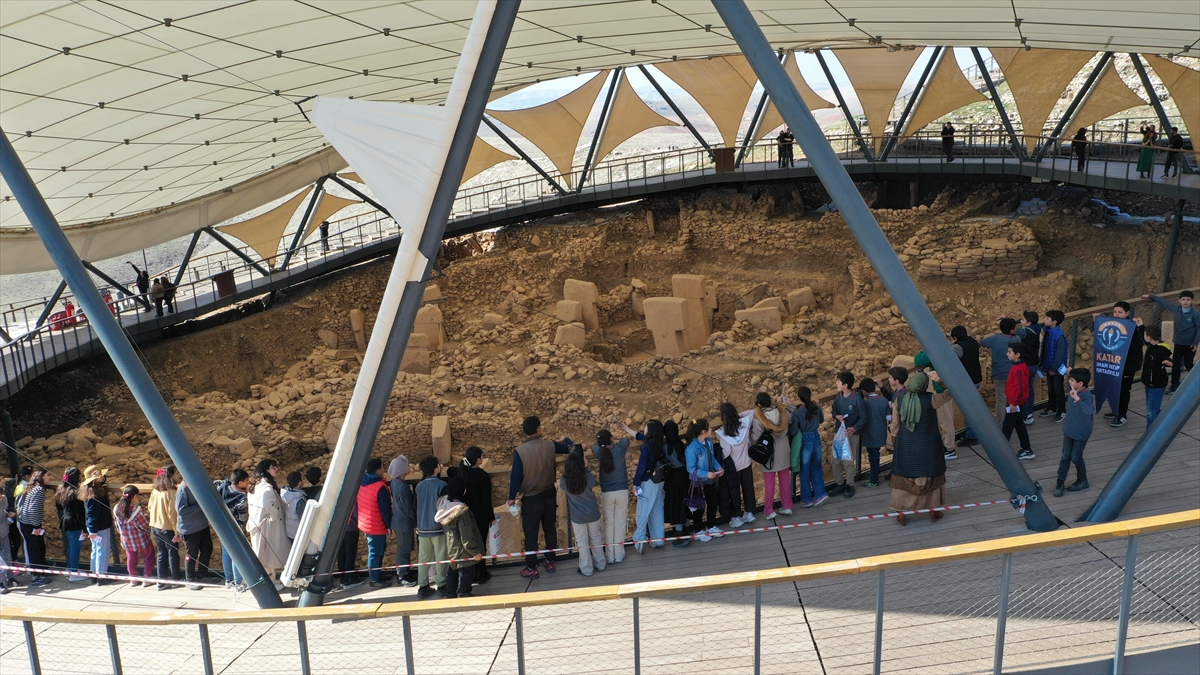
x=763, y=449
x=662, y=467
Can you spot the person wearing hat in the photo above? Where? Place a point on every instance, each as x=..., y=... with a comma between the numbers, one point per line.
x=72, y=520
x=464, y=544
x=404, y=519
x=98, y=510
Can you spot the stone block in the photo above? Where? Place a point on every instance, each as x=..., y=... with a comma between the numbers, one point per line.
x=904, y=361
x=710, y=295
x=582, y=291
x=751, y=297
x=416, y=355
x=762, y=318
x=242, y=447
x=776, y=302
x=429, y=322
x=492, y=320
x=104, y=450
x=687, y=286
x=668, y=314
x=698, y=329
x=669, y=343
x=432, y=294
x=571, y=334
x=639, y=298
x=328, y=337
x=569, y=311
x=801, y=297
x=357, y=324
x=441, y=439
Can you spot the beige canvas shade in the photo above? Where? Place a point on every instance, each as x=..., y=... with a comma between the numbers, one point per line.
x=1109, y=96
x=1184, y=85
x=721, y=85
x=1037, y=79
x=947, y=91
x=263, y=232
x=350, y=175
x=877, y=75
x=555, y=127
x=484, y=156
x=628, y=117
x=329, y=205
x=771, y=119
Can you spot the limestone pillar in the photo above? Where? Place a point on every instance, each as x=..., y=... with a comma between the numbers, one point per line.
x=441, y=439
x=692, y=288
x=587, y=295
x=429, y=321
x=357, y=324
x=667, y=318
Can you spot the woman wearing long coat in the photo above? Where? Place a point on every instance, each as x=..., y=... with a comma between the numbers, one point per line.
x=918, y=460
x=268, y=532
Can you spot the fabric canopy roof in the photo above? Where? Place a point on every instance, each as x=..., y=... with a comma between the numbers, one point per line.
x=771, y=119
x=1184, y=86
x=328, y=205
x=629, y=117
x=721, y=86
x=263, y=232
x=877, y=75
x=947, y=91
x=1037, y=78
x=1108, y=97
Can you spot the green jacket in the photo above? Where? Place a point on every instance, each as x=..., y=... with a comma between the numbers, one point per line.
x=463, y=540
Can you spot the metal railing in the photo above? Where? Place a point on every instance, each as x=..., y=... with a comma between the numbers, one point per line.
x=1025, y=601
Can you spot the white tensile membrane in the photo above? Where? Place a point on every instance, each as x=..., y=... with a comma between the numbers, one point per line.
x=399, y=150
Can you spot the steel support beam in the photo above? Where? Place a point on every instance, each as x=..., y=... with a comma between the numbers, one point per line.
x=883, y=258
x=862, y=144
x=1159, y=110
x=1169, y=262
x=484, y=78
x=358, y=193
x=1069, y=116
x=1120, y=488
x=601, y=126
x=62, y=286
x=95, y=270
x=1017, y=145
x=756, y=120
x=525, y=156
x=187, y=257
x=140, y=384
x=682, y=118
x=917, y=93
x=314, y=200
x=236, y=251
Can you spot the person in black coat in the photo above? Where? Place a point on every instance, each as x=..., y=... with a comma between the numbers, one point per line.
x=478, y=499
x=1079, y=146
x=918, y=460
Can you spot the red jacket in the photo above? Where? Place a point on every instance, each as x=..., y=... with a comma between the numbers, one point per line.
x=1016, y=388
x=373, y=499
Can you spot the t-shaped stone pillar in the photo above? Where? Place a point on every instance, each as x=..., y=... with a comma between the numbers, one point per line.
x=441, y=439
x=416, y=355
x=692, y=288
x=587, y=295
x=667, y=318
x=429, y=322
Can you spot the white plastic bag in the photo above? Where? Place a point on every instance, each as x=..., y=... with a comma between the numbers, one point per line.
x=493, y=537
x=841, y=445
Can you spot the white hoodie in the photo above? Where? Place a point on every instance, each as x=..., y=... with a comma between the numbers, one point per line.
x=738, y=446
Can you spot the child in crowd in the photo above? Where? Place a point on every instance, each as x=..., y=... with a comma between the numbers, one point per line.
x=873, y=429
x=293, y=504
x=1156, y=369
x=1186, y=336
x=1016, y=392
x=431, y=537
x=313, y=475
x=1076, y=430
x=847, y=410
x=464, y=543
x=233, y=492
x=578, y=483
x=1030, y=334
x=134, y=528
x=769, y=419
x=1053, y=365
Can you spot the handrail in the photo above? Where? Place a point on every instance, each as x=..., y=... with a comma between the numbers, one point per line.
x=1088, y=311
x=928, y=556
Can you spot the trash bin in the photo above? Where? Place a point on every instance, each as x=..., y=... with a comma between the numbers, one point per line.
x=226, y=286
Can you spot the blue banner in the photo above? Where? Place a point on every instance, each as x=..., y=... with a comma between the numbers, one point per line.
x=1112, y=339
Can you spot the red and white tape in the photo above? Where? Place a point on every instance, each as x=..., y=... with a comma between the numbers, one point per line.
x=19, y=569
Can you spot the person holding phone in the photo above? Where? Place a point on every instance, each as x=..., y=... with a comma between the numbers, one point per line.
x=31, y=511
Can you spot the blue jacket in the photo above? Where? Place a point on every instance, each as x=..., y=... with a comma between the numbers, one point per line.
x=874, y=426
x=1078, y=424
x=428, y=492
x=1054, y=351
x=99, y=514
x=701, y=460
x=849, y=406
x=1187, y=324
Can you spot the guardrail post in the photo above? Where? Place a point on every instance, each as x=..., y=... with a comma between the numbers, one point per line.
x=878, y=624
x=408, y=654
x=1131, y=549
x=1002, y=613
x=302, y=639
x=520, y=642
x=114, y=651
x=35, y=665
x=1074, y=340
x=637, y=640
x=757, y=630
x=205, y=649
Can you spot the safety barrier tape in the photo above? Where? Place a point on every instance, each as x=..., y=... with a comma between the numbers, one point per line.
x=18, y=569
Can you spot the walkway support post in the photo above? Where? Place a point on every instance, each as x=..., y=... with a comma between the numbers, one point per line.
x=837, y=92
x=358, y=193
x=1017, y=146
x=682, y=118
x=123, y=356
x=1069, y=116
x=484, y=76
x=187, y=257
x=883, y=258
x=601, y=127
x=917, y=93
x=1176, y=225
x=1145, y=453
x=49, y=308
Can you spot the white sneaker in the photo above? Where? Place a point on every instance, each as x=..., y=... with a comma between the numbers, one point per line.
x=770, y=516
x=715, y=532
x=786, y=512
x=639, y=546
x=735, y=522
x=703, y=537
x=747, y=517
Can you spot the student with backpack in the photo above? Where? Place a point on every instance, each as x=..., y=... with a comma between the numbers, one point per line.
x=847, y=410
x=478, y=498
x=874, y=428
x=768, y=434
x=1156, y=369
x=431, y=537
x=703, y=471
x=293, y=504
x=578, y=483
x=734, y=436
x=1077, y=429
x=1186, y=335
x=805, y=425
x=72, y=520
x=1053, y=365
x=614, y=493
x=1133, y=364
x=648, y=479
x=676, y=488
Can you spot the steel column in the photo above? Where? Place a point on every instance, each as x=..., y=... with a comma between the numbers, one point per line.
x=236, y=251
x=94, y=270
x=1169, y=261
x=144, y=390
x=409, y=665
x=1002, y=613
x=862, y=144
x=206, y=649
x=1162, y=431
x=1159, y=110
x=49, y=308
x=317, y=195
x=484, y=77
x=682, y=118
x=358, y=193
x=114, y=651
x=1069, y=116
x=601, y=126
x=525, y=156
x=1017, y=145
x=187, y=257
x=520, y=642
x=883, y=258
x=637, y=639
x=879, y=624
x=917, y=93
x=302, y=641
x=753, y=129
x=1131, y=548
x=35, y=664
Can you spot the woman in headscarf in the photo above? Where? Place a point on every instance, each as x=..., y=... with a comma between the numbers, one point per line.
x=918, y=461
x=404, y=519
x=478, y=498
x=1145, y=164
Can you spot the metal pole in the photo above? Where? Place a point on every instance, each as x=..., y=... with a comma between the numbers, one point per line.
x=1002, y=613
x=236, y=251
x=1131, y=548
x=637, y=639
x=1145, y=453
x=409, y=665
x=520, y=642
x=397, y=338
x=35, y=665
x=879, y=624
x=49, y=308
x=919, y=91
x=94, y=270
x=883, y=258
x=187, y=257
x=114, y=651
x=1177, y=223
x=683, y=118
x=862, y=144
x=1069, y=116
x=302, y=639
x=358, y=193
x=752, y=131
x=206, y=649
x=601, y=126
x=140, y=384
x=757, y=630
x=1074, y=340
x=317, y=195
x=525, y=156
x=1017, y=145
